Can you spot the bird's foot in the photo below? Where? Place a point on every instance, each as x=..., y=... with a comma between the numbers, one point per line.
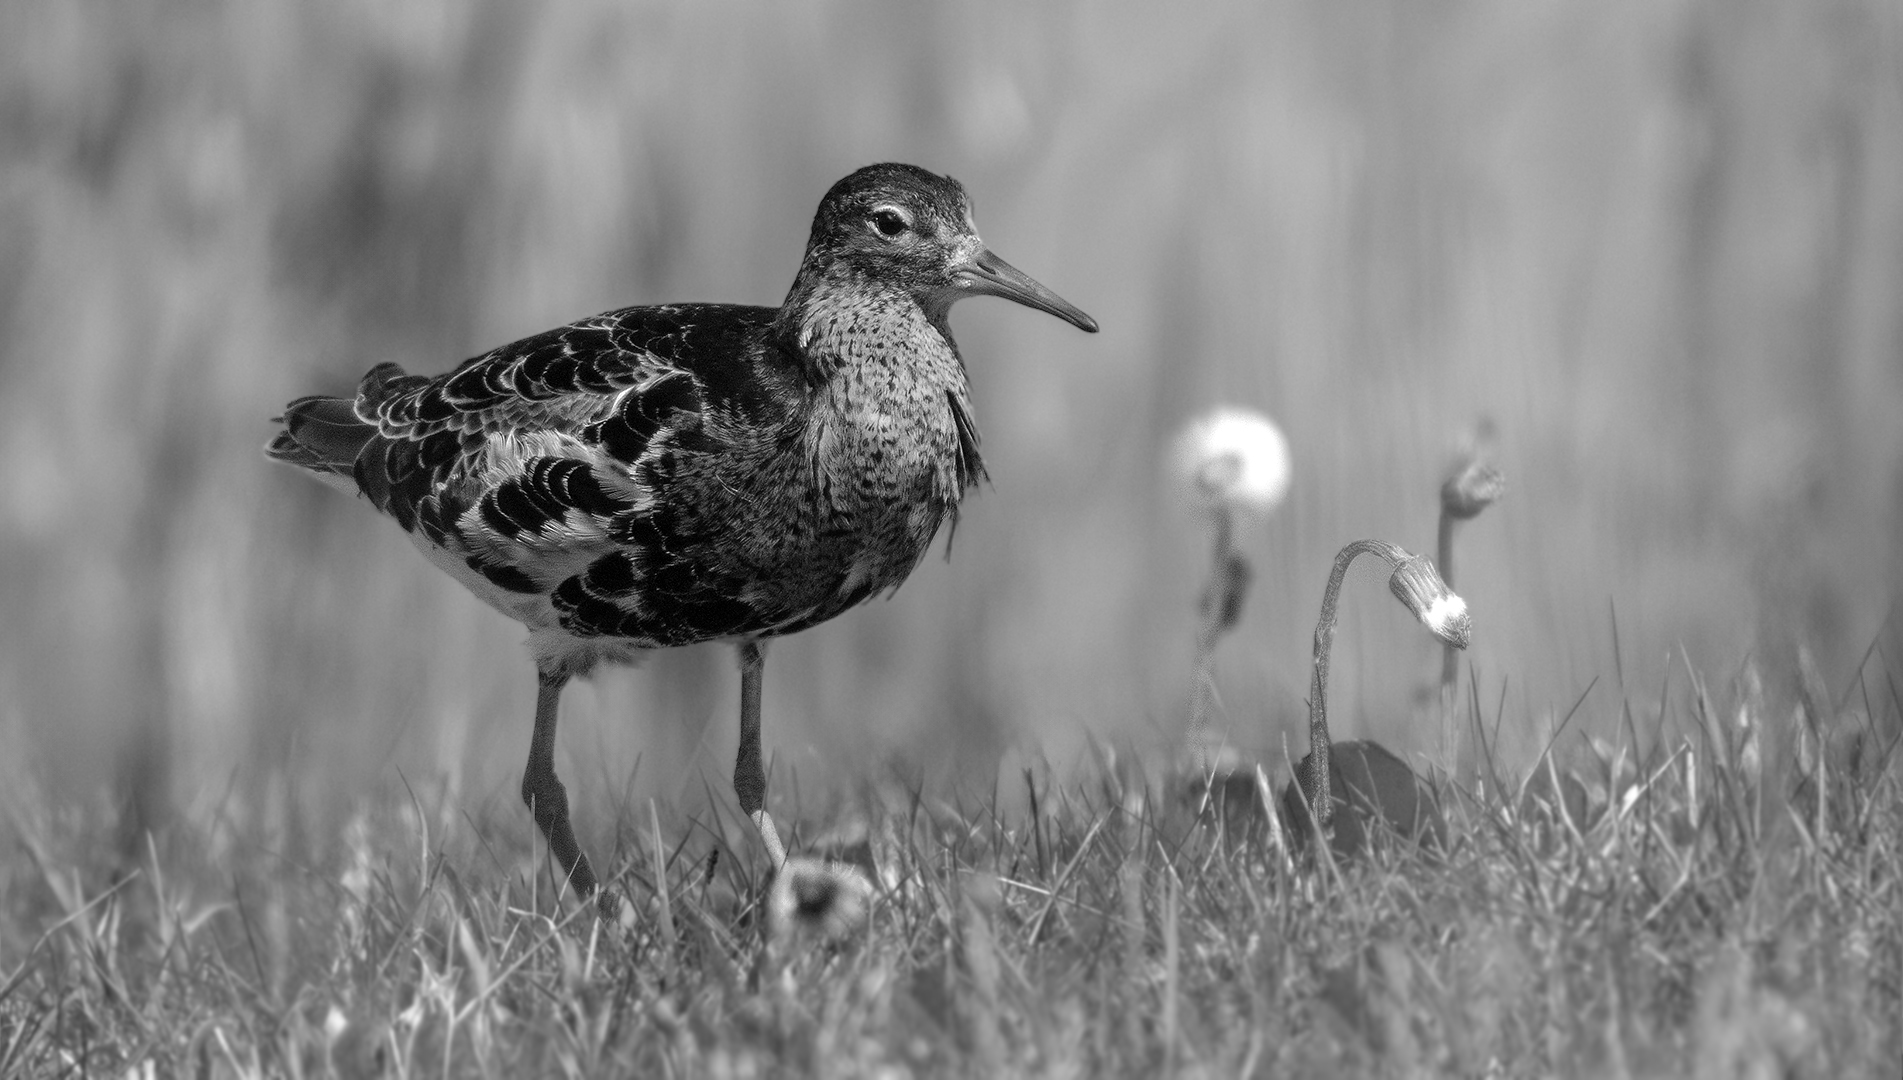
x=614, y=908
x=770, y=836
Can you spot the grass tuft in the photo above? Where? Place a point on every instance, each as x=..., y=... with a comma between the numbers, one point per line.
x=1669, y=912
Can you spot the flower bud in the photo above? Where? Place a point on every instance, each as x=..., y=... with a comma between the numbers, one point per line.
x=1416, y=584
x=1472, y=488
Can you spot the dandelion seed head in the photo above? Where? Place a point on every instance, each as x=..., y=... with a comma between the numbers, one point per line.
x=1235, y=459
x=825, y=900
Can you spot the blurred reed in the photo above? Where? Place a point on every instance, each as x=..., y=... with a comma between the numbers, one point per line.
x=1657, y=242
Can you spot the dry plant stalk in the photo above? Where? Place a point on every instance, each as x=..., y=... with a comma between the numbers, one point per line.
x=1472, y=485
x=1237, y=463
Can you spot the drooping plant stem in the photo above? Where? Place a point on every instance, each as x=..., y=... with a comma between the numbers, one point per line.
x=1315, y=784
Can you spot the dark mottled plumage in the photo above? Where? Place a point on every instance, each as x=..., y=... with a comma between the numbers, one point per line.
x=657, y=476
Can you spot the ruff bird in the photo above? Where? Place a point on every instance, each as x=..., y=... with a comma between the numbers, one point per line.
x=659, y=476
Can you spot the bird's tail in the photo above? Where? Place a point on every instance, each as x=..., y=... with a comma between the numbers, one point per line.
x=324, y=435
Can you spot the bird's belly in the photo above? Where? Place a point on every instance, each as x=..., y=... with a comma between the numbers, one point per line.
x=725, y=560
x=759, y=539
x=534, y=610
x=848, y=563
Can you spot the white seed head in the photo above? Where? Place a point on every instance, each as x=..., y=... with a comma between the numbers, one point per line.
x=1235, y=458
x=823, y=900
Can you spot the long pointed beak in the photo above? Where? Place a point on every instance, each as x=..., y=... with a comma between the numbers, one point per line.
x=988, y=275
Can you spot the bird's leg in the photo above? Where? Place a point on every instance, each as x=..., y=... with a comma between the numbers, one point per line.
x=749, y=775
x=546, y=797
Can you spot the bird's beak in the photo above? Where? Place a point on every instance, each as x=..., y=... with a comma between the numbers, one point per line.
x=988, y=275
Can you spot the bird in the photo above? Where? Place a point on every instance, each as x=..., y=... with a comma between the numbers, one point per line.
x=664, y=475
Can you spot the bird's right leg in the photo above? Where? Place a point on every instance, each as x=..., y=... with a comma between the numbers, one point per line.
x=749, y=774
x=546, y=797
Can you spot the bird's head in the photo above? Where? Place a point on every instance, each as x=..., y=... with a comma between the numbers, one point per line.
x=906, y=228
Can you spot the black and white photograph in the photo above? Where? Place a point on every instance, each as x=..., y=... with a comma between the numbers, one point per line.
x=609, y=538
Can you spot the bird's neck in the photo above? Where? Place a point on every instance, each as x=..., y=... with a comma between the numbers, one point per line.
x=840, y=320
x=887, y=380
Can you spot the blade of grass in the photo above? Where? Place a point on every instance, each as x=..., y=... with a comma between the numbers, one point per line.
x=1057, y=887
x=1172, y=963
x=1037, y=821
x=1554, y=737
x=668, y=940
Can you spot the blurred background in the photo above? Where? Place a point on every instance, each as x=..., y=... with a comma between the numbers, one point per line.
x=1659, y=245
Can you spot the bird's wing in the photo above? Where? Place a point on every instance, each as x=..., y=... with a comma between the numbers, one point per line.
x=527, y=462
x=559, y=380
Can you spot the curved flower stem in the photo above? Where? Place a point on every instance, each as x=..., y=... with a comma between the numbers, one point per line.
x=1315, y=784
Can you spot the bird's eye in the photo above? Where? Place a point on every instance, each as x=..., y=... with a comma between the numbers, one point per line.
x=889, y=222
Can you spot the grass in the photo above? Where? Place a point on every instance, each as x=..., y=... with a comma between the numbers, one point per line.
x=1612, y=234
x=1696, y=924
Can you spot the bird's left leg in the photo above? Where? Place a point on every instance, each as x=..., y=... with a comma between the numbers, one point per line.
x=749, y=775
x=547, y=798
